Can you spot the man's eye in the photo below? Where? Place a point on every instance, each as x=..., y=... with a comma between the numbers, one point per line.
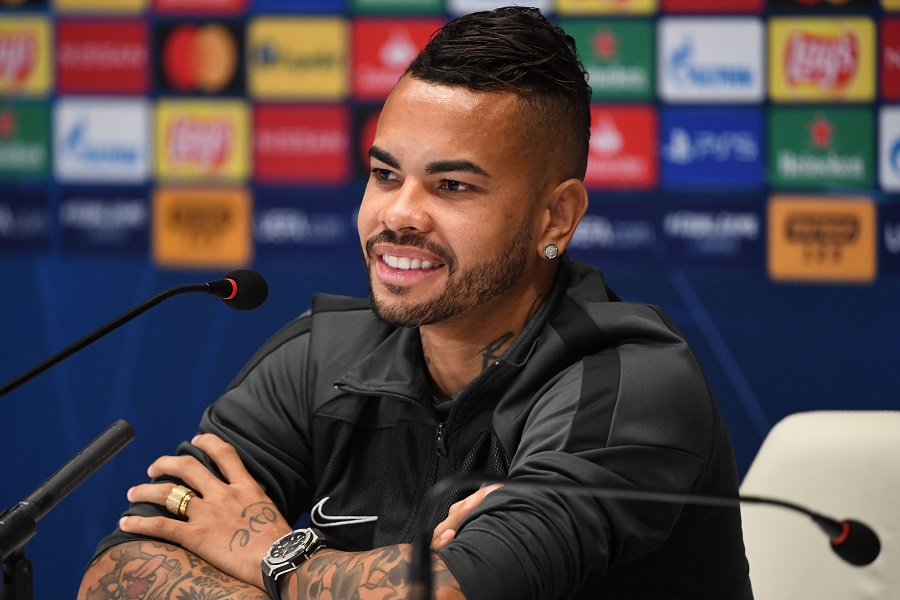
x=455, y=186
x=381, y=174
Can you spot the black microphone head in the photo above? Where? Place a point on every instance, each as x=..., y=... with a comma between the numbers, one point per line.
x=251, y=290
x=858, y=544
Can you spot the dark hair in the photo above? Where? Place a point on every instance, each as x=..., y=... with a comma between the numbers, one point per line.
x=516, y=49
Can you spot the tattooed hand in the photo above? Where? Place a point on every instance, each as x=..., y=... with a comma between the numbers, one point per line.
x=230, y=524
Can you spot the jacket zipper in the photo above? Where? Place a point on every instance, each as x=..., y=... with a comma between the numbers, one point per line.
x=441, y=446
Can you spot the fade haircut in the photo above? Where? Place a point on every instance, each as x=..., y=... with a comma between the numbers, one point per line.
x=516, y=49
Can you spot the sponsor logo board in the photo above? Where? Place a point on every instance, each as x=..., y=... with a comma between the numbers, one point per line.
x=102, y=56
x=303, y=144
x=104, y=220
x=202, y=139
x=24, y=220
x=617, y=230
x=889, y=148
x=298, y=58
x=200, y=228
x=889, y=223
x=459, y=7
x=102, y=140
x=382, y=49
x=821, y=239
x=722, y=232
x=25, y=56
x=406, y=7
x=618, y=56
x=712, y=147
x=200, y=57
x=712, y=6
x=318, y=220
x=828, y=148
x=821, y=59
x=890, y=59
x=623, y=147
x=200, y=7
x=24, y=140
x=100, y=6
x=595, y=7
x=707, y=60
x=821, y=4
x=365, y=120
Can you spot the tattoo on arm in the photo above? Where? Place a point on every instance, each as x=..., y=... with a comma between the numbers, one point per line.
x=157, y=571
x=379, y=574
x=492, y=351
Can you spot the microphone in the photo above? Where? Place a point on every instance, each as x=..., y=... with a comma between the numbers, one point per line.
x=852, y=540
x=18, y=525
x=240, y=289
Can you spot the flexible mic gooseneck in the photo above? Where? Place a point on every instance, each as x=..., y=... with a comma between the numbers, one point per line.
x=852, y=540
x=240, y=289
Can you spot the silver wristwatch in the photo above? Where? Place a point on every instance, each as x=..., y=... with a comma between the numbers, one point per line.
x=287, y=554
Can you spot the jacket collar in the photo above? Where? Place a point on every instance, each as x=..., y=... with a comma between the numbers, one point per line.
x=396, y=366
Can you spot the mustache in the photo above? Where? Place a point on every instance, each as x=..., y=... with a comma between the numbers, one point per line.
x=411, y=239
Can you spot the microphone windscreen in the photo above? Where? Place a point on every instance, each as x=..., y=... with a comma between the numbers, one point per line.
x=252, y=290
x=860, y=546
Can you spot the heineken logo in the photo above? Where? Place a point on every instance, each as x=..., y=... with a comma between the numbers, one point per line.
x=828, y=62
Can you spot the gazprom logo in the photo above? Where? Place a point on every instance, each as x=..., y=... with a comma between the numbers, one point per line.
x=102, y=140
x=688, y=72
x=79, y=145
x=718, y=59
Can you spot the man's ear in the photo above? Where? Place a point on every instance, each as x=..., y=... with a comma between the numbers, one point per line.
x=567, y=204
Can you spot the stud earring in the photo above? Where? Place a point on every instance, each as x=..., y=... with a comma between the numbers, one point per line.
x=551, y=251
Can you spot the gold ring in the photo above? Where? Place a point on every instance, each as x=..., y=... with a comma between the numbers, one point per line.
x=177, y=500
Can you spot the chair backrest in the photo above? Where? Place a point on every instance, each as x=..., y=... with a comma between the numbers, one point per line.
x=842, y=464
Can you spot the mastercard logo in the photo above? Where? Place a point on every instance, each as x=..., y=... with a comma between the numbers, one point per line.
x=200, y=58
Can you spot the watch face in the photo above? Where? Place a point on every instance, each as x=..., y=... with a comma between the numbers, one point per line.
x=288, y=546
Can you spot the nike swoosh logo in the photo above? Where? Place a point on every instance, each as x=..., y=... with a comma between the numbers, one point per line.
x=321, y=520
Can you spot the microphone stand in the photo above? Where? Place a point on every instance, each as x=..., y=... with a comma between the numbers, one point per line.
x=99, y=333
x=420, y=568
x=19, y=524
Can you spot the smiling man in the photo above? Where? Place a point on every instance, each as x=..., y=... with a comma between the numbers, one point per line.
x=483, y=349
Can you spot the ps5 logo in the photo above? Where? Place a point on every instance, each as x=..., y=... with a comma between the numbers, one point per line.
x=683, y=148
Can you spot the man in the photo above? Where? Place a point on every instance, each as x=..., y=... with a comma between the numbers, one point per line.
x=484, y=350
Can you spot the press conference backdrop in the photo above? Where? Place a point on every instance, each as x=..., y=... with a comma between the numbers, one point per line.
x=744, y=162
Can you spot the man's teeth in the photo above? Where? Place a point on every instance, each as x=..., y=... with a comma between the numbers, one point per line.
x=402, y=262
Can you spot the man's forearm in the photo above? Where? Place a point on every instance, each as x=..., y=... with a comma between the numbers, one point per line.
x=149, y=570
x=376, y=574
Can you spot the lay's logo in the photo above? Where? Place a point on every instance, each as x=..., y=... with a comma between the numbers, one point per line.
x=201, y=142
x=198, y=139
x=822, y=59
x=25, y=56
x=18, y=54
x=828, y=62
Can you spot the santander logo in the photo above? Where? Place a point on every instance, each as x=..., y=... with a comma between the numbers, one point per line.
x=18, y=54
x=829, y=62
x=204, y=143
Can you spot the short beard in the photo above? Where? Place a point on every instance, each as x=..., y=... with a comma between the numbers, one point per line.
x=470, y=289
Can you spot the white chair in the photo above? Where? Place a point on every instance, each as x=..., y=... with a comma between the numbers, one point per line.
x=842, y=464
